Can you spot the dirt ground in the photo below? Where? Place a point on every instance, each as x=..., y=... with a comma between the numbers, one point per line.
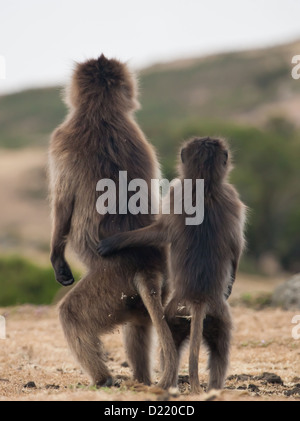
x=35, y=362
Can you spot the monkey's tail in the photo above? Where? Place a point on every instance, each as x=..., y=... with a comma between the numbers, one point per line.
x=198, y=312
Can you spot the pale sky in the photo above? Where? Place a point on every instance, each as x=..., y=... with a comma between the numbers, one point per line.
x=40, y=39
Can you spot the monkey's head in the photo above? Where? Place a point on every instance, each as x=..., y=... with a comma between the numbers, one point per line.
x=103, y=83
x=205, y=158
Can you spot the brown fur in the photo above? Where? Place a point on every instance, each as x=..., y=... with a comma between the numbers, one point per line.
x=98, y=139
x=204, y=258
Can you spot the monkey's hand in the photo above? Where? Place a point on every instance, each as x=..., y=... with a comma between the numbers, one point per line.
x=106, y=247
x=64, y=276
x=63, y=273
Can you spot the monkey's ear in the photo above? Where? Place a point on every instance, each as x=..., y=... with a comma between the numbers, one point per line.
x=183, y=155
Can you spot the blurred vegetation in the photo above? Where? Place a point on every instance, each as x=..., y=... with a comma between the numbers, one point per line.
x=257, y=301
x=213, y=96
x=27, y=118
x=22, y=281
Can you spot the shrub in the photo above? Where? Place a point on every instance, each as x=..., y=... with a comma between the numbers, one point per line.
x=22, y=281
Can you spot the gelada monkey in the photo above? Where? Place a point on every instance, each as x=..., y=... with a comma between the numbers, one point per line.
x=204, y=257
x=98, y=139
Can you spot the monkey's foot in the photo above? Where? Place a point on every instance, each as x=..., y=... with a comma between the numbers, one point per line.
x=166, y=383
x=64, y=276
x=105, y=383
x=218, y=385
x=195, y=388
x=143, y=379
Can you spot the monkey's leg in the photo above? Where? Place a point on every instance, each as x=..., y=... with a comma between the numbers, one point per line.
x=149, y=290
x=137, y=340
x=81, y=327
x=217, y=335
x=179, y=323
x=198, y=314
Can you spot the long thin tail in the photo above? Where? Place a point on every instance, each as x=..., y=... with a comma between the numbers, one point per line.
x=198, y=314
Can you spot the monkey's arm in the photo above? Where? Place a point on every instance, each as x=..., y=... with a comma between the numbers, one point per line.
x=152, y=235
x=233, y=270
x=237, y=249
x=62, y=215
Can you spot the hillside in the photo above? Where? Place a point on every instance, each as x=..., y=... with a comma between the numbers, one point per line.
x=246, y=87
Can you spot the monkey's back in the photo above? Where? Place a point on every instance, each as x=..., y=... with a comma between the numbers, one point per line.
x=82, y=154
x=201, y=255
